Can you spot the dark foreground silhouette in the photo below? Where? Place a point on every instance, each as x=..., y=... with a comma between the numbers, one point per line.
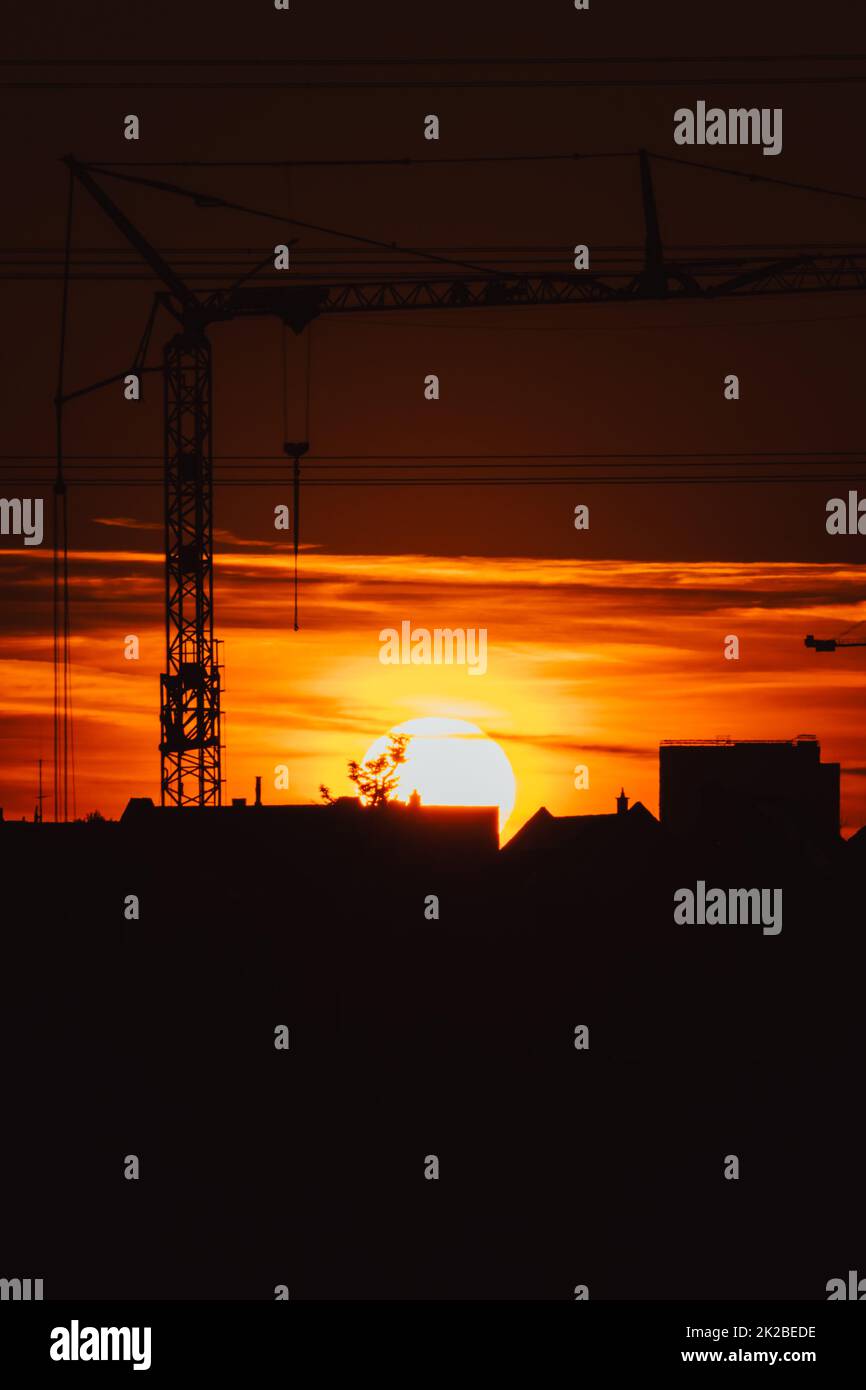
x=412, y=1037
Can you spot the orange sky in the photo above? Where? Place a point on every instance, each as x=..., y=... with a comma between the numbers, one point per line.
x=588, y=662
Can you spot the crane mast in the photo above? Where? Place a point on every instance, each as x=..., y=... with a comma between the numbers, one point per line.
x=190, y=686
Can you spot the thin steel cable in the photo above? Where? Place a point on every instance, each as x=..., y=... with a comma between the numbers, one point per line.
x=61, y=558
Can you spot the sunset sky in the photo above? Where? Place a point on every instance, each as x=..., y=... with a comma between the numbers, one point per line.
x=589, y=662
x=601, y=643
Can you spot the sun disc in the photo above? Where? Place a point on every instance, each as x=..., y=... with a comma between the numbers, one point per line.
x=450, y=762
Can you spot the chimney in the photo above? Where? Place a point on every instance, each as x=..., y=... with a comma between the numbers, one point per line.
x=258, y=800
x=622, y=803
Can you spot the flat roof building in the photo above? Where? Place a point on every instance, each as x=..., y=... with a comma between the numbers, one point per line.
x=735, y=788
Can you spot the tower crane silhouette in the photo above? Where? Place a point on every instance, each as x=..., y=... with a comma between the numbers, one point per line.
x=190, y=706
x=830, y=644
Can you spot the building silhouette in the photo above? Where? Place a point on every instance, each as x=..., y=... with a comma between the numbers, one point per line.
x=723, y=789
x=621, y=831
x=453, y=834
x=416, y=1031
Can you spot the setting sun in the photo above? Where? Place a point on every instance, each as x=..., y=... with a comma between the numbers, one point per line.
x=450, y=762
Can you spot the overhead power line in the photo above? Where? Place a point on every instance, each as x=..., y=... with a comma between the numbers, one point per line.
x=696, y=80
x=532, y=481
x=401, y=162
x=461, y=60
x=745, y=455
x=637, y=248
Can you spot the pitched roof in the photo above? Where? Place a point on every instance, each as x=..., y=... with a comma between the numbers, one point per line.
x=544, y=831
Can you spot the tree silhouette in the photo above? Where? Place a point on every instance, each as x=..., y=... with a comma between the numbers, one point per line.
x=376, y=780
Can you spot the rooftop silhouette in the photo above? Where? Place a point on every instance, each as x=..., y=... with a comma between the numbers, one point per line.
x=739, y=788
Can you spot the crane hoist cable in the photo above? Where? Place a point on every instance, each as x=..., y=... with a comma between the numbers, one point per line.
x=853, y=628
x=61, y=643
x=295, y=449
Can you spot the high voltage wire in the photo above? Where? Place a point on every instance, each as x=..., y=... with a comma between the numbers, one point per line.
x=413, y=160
x=504, y=247
x=580, y=478
x=369, y=270
x=336, y=263
x=324, y=280
x=785, y=455
x=404, y=472
x=334, y=272
x=336, y=276
x=702, y=80
x=330, y=255
x=461, y=60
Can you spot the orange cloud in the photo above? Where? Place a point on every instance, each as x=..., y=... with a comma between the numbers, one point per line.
x=590, y=662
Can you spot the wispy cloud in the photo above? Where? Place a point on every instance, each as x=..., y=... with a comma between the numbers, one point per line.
x=589, y=661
